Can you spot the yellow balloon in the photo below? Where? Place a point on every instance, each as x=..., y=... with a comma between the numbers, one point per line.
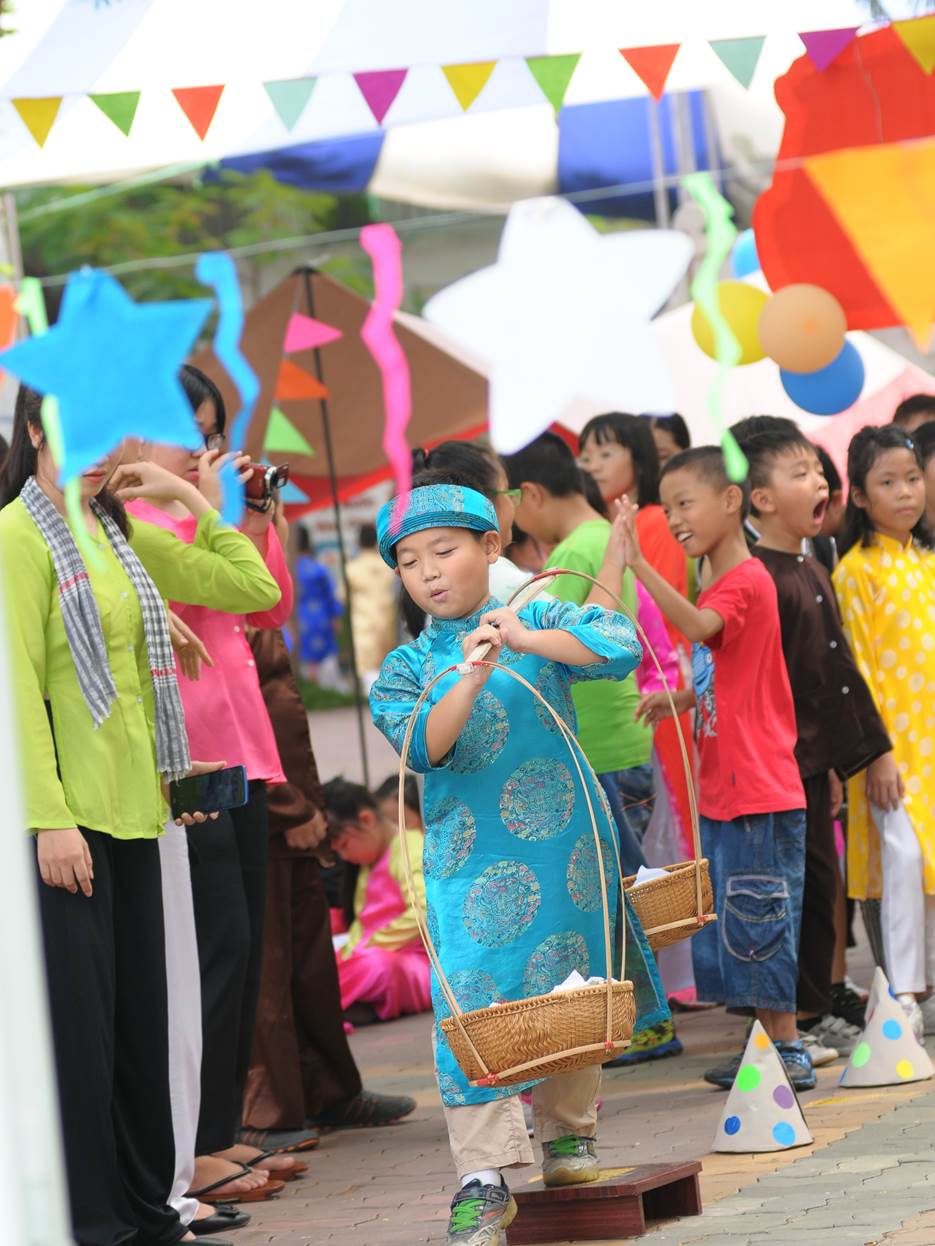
x=740, y=306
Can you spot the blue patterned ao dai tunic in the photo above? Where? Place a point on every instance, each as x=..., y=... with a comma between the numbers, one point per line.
x=512, y=886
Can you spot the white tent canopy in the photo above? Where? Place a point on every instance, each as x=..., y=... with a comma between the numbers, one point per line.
x=71, y=49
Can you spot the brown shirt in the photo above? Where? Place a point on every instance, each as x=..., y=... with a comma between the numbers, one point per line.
x=293, y=803
x=839, y=727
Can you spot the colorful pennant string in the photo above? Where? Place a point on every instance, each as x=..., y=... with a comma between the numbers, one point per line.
x=652, y=65
x=289, y=98
x=119, y=107
x=740, y=56
x=38, y=115
x=199, y=104
x=467, y=81
x=379, y=88
x=919, y=37
x=282, y=436
x=553, y=75
x=824, y=46
x=294, y=384
x=304, y=333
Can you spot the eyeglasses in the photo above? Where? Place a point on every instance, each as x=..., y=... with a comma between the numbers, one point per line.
x=514, y=495
x=214, y=441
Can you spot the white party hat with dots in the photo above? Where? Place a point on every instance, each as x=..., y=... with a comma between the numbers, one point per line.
x=888, y=1053
x=762, y=1112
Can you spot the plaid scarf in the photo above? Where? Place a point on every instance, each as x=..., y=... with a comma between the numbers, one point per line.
x=86, y=639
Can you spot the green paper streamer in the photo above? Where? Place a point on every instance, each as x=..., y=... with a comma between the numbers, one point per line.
x=31, y=305
x=721, y=234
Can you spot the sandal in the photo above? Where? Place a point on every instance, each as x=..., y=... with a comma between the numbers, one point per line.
x=259, y=1195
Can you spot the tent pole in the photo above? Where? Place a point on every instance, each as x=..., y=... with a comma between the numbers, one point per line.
x=307, y=274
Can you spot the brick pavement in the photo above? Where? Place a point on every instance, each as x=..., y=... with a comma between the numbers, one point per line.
x=868, y=1171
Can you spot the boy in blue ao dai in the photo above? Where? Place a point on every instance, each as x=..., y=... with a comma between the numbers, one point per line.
x=511, y=867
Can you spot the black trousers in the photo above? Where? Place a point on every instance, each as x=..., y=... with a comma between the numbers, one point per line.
x=228, y=864
x=816, y=943
x=106, y=969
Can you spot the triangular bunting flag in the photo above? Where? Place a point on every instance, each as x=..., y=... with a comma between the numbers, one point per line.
x=304, y=333
x=652, y=65
x=553, y=74
x=467, y=81
x=882, y=197
x=379, y=88
x=199, y=104
x=289, y=98
x=293, y=383
x=919, y=37
x=824, y=45
x=291, y=495
x=283, y=437
x=762, y=1111
x=888, y=1054
x=38, y=115
x=740, y=56
x=119, y=107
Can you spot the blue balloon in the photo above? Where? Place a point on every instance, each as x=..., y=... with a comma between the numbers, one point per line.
x=744, y=259
x=829, y=390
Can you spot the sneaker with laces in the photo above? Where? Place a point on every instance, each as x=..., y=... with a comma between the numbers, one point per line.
x=847, y=1004
x=914, y=1014
x=831, y=1031
x=479, y=1213
x=722, y=1075
x=569, y=1161
x=818, y=1053
x=654, y=1043
x=798, y=1064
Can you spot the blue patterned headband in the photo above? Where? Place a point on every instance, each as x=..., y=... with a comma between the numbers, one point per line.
x=434, y=506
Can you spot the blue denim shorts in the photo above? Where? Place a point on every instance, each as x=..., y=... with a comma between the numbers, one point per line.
x=748, y=958
x=631, y=796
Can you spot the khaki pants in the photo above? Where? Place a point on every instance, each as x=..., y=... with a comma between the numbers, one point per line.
x=493, y=1135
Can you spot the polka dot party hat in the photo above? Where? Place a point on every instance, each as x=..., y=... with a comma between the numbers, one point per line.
x=888, y=1053
x=762, y=1112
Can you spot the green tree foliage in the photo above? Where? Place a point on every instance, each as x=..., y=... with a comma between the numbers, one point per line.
x=169, y=219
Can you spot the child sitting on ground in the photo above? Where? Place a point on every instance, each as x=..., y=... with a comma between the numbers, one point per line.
x=511, y=865
x=387, y=798
x=382, y=966
x=840, y=732
x=750, y=795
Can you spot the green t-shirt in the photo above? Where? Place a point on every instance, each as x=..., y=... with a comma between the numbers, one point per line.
x=610, y=738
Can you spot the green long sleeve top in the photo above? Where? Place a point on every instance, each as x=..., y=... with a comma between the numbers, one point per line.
x=106, y=778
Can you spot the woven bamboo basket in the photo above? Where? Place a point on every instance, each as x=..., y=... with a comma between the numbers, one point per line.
x=668, y=908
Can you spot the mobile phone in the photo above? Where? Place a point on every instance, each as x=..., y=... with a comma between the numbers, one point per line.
x=209, y=793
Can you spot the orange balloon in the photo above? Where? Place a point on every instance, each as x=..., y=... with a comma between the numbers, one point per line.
x=802, y=328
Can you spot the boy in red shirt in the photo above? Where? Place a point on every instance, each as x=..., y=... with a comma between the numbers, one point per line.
x=751, y=799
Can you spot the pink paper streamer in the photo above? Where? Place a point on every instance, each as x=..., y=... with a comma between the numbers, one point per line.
x=385, y=250
x=304, y=333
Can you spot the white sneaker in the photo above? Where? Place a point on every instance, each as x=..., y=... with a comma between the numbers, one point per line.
x=927, y=1008
x=819, y=1053
x=836, y=1032
x=910, y=1007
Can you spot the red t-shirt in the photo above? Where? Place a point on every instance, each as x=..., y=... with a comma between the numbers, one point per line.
x=745, y=718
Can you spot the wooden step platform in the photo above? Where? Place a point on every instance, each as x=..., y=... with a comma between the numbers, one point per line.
x=616, y=1206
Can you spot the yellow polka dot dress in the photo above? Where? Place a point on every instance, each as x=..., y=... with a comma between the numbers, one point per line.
x=887, y=597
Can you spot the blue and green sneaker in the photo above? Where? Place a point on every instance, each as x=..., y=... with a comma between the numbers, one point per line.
x=478, y=1213
x=654, y=1043
x=569, y=1161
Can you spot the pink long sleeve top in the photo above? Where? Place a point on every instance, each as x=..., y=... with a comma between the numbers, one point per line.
x=653, y=624
x=225, y=712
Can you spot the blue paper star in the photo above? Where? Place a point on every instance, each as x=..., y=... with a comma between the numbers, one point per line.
x=113, y=366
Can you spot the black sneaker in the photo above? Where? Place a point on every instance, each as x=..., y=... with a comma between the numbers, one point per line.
x=847, y=1004
x=723, y=1075
x=478, y=1213
x=365, y=1111
x=798, y=1064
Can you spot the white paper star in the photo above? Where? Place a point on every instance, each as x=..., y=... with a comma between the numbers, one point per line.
x=562, y=320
